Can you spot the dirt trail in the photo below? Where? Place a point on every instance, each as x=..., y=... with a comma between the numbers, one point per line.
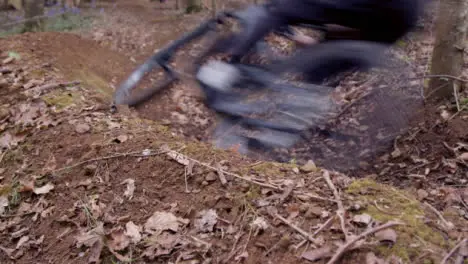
x=115, y=179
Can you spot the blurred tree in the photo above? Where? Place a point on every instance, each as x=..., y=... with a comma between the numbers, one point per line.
x=32, y=10
x=447, y=58
x=192, y=6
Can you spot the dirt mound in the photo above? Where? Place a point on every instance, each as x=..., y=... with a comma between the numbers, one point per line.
x=75, y=57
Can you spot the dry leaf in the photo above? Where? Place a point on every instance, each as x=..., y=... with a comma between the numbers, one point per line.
x=95, y=251
x=82, y=128
x=130, y=188
x=89, y=238
x=161, y=221
x=44, y=189
x=3, y=204
x=387, y=235
x=21, y=241
x=260, y=223
x=8, y=140
x=206, y=220
x=317, y=254
x=122, y=138
x=464, y=156
x=133, y=232
x=309, y=167
x=221, y=176
x=7, y=251
x=362, y=219
x=119, y=241
x=161, y=244
x=371, y=258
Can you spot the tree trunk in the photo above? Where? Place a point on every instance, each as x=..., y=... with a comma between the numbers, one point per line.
x=33, y=9
x=447, y=57
x=192, y=6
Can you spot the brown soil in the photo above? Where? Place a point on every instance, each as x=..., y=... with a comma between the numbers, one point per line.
x=427, y=166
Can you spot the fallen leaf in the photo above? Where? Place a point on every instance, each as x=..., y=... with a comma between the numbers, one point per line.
x=118, y=241
x=82, y=128
x=121, y=138
x=133, y=232
x=309, y=167
x=161, y=221
x=371, y=258
x=206, y=220
x=44, y=189
x=387, y=235
x=89, y=238
x=161, y=244
x=130, y=188
x=362, y=219
x=260, y=223
x=95, y=251
x=317, y=254
x=464, y=156
x=7, y=251
x=8, y=140
x=3, y=204
x=21, y=241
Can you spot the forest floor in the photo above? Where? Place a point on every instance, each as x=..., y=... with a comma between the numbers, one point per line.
x=79, y=184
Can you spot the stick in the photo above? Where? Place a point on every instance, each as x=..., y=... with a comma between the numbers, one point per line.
x=450, y=254
x=133, y=154
x=341, y=250
x=447, y=224
x=341, y=211
x=229, y=173
x=296, y=228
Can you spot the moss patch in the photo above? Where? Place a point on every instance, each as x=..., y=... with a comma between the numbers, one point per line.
x=61, y=99
x=394, y=204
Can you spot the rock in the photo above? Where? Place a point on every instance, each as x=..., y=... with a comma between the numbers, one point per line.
x=422, y=194
x=313, y=212
x=3, y=84
x=90, y=169
x=362, y=219
x=82, y=128
x=8, y=60
x=204, y=183
x=309, y=167
x=211, y=177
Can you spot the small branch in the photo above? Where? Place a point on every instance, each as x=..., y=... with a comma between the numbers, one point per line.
x=132, y=154
x=446, y=223
x=341, y=210
x=452, y=252
x=441, y=76
x=341, y=250
x=296, y=228
x=229, y=173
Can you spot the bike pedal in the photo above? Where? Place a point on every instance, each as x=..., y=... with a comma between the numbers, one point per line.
x=272, y=139
x=219, y=75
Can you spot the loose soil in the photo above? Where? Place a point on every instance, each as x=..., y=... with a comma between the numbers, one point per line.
x=65, y=135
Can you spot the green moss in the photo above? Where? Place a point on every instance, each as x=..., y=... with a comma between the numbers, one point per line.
x=399, y=206
x=61, y=99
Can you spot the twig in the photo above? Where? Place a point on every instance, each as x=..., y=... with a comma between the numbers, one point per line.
x=455, y=94
x=229, y=173
x=442, y=76
x=446, y=223
x=325, y=225
x=341, y=250
x=341, y=211
x=296, y=228
x=450, y=254
x=316, y=197
x=133, y=154
x=186, y=182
